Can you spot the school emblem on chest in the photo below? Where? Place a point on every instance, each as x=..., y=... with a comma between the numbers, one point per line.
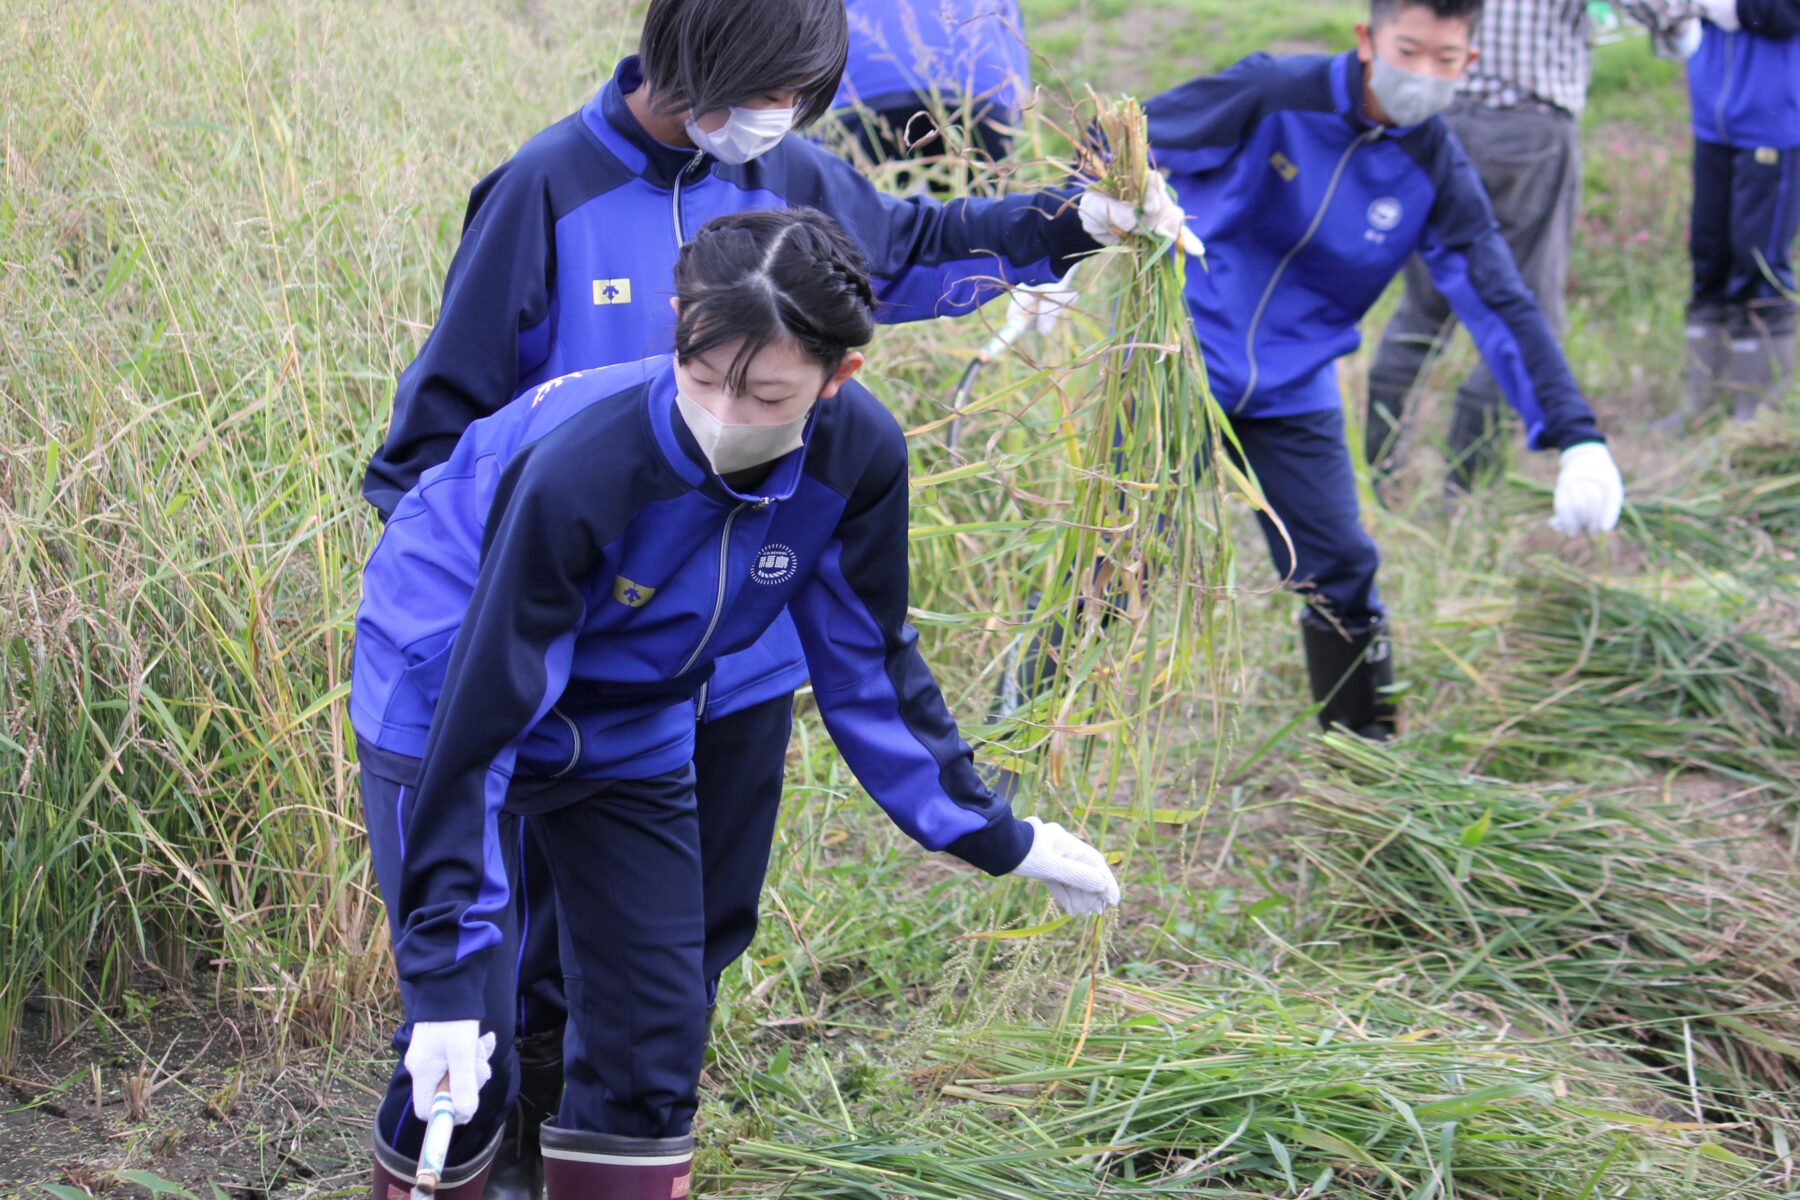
x=775, y=564
x=612, y=291
x=1385, y=214
x=631, y=595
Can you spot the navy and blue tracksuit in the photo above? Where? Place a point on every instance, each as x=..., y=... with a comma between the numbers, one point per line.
x=1744, y=87
x=1308, y=211
x=567, y=262
x=538, y=619
x=913, y=56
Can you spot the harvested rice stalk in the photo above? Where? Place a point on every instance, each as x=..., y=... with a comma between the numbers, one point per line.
x=1576, y=910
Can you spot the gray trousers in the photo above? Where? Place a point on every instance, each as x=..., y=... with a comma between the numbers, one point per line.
x=1530, y=160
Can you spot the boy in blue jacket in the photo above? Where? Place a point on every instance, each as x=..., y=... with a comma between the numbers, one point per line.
x=538, y=621
x=1744, y=84
x=1312, y=180
x=565, y=264
x=911, y=60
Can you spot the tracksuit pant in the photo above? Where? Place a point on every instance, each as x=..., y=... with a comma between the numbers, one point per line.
x=1303, y=463
x=1529, y=158
x=1746, y=215
x=621, y=881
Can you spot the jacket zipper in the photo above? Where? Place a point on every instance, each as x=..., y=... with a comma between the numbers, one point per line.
x=675, y=197
x=1337, y=177
x=700, y=701
x=719, y=599
x=1725, y=83
x=574, y=737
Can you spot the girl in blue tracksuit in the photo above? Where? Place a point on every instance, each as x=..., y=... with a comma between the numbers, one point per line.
x=911, y=60
x=1312, y=181
x=1744, y=84
x=565, y=264
x=537, y=622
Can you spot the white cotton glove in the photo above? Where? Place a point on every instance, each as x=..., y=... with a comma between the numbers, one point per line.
x=1039, y=306
x=455, y=1048
x=1723, y=13
x=1680, y=43
x=1589, y=491
x=1109, y=220
x=1075, y=872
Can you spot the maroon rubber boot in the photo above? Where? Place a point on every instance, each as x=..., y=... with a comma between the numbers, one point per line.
x=393, y=1174
x=603, y=1166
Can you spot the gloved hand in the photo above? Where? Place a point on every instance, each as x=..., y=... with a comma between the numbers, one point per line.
x=1589, y=491
x=1040, y=306
x=456, y=1048
x=1680, y=43
x=1723, y=13
x=1109, y=220
x=1075, y=872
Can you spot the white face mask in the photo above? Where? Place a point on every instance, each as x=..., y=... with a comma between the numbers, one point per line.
x=1407, y=96
x=746, y=134
x=739, y=447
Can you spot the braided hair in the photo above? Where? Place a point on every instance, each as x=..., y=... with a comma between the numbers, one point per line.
x=752, y=278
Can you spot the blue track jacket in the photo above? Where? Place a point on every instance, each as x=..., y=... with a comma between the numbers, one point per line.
x=547, y=604
x=567, y=262
x=1308, y=212
x=902, y=51
x=1745, y=85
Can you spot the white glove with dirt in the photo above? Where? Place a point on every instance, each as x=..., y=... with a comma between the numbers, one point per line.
x=1039, y=306
x=455, y=1048
x=1589, y=492
x=1723, y=13
x=1680, y=43
x=1109, y=220
x=1075, y=872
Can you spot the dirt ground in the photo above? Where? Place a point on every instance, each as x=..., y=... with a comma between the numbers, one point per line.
x=185, y=1097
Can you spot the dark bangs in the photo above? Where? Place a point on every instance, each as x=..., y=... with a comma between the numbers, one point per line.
x=706, y=55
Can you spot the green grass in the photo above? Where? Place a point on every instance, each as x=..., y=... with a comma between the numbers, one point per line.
x=222, y=234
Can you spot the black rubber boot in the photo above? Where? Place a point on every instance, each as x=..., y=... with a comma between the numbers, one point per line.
x=519, y=1166
x=602, y=1166
x=1708, y=349
x=1351, y=673
x=1761, y=369
x=393, y=1174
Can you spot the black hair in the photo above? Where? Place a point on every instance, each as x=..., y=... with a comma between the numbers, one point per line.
x=757, y=277
x=1383, y=11
x=705, y=55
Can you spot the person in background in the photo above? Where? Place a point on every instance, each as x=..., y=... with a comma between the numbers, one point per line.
x=913, y=62
x=537, y=622
x=566, y=263
x=1312, y=181
x=1518, y=116
x=1744, y=85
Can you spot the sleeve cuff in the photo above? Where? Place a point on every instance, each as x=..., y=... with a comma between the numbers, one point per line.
x=997, y=849
x=452, y=994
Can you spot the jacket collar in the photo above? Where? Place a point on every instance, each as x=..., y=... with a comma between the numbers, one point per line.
x=611, y=120
x=1348, y=86
x=683, y=454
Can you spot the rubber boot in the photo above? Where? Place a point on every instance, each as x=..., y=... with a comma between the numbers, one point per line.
x=519, y=1166
x=1761, y=369
x=1708, y=351
x=393, y=1173
x=603, y=1166
x=1351, y=673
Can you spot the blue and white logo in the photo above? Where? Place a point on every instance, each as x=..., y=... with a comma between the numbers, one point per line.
x=775, y=565
x=1386, y=214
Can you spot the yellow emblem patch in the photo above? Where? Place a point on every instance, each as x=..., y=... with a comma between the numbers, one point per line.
x=631, y=595
x=612, y=291
x=1284, y=166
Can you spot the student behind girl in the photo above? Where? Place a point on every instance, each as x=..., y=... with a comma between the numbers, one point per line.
x=565, y=263
x=537, y=621
x=1744, y=84
x=914, y=61
x=1312, y=180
